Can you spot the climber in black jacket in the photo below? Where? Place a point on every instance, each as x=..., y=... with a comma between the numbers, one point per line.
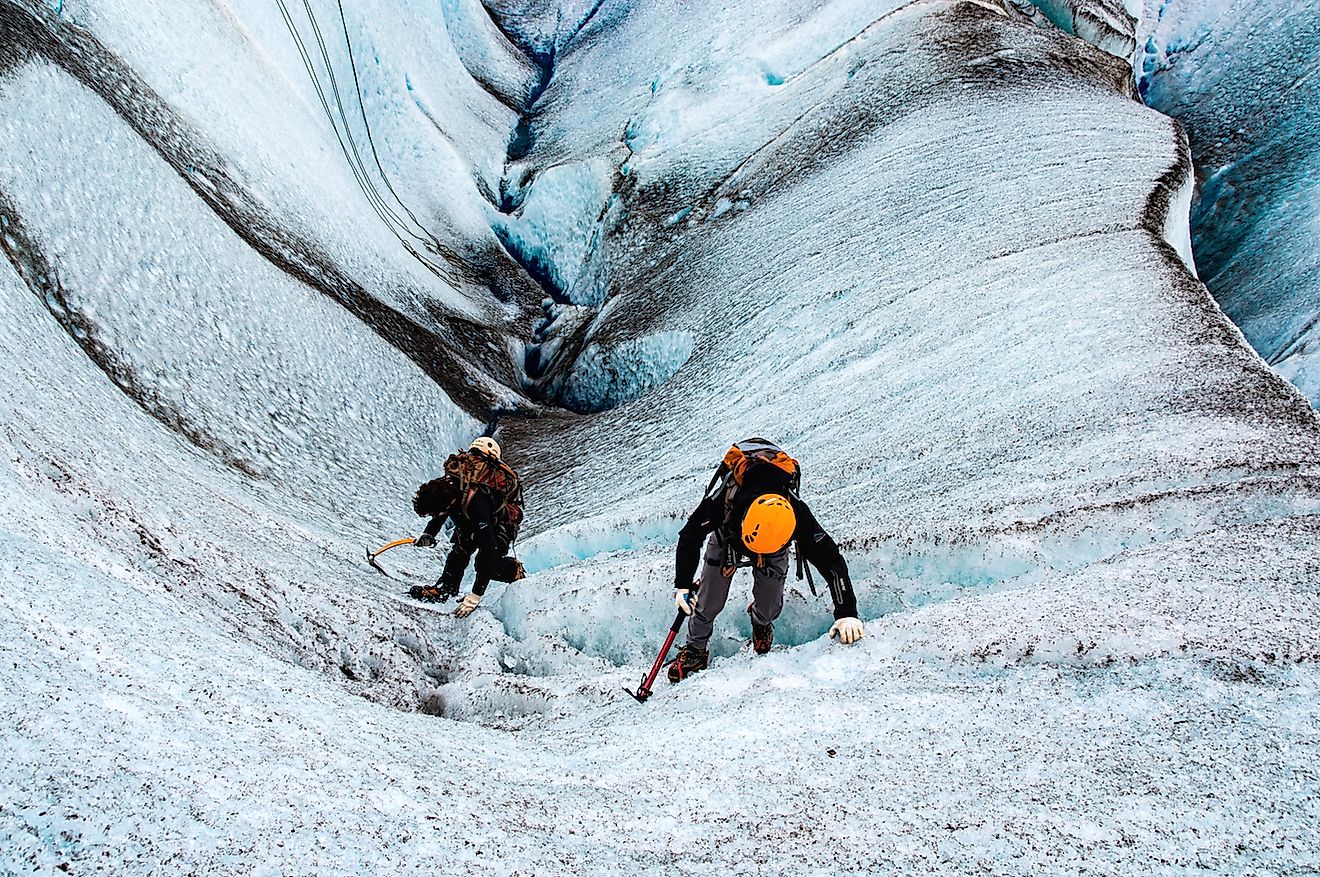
x=751, y=513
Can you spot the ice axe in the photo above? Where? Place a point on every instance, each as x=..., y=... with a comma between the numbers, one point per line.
x=372, y=555
x=644, y=690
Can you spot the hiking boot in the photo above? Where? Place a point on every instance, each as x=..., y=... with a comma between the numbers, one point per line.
x=763, y=635
x=437, y=593
x=690, y=660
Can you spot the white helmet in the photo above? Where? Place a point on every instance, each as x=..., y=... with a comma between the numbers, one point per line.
x=486, y=445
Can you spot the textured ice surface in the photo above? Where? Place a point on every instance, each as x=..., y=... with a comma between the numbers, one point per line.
x=936, y=251
x=201, y=330
x=1242, y=78
x=606, y=377
x=554, y=229
x=1108, y=24
x=286, y=161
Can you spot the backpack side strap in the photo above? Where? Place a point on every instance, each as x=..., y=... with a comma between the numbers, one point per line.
x=718, y=480
x=803, y=566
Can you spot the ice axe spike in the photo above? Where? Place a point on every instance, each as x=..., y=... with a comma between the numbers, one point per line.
x=644, y=690
x=372, y=555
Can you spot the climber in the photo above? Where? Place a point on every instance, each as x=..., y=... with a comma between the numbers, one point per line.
x=483, y=497
x=752, y=512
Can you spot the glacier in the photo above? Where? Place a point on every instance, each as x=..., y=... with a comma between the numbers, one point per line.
x=266, y=264
x=1241, y=79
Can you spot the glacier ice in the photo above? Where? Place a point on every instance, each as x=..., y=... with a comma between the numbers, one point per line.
x=553, y=230
x=200, y=330
x=1241, y=78
x=937, y=251
x=606, y=377
x=1108, y=24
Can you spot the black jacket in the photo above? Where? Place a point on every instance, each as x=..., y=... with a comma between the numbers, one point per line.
x=713, y=515
x=475, y=529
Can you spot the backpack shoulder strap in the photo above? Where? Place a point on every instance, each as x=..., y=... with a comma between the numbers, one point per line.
x=718, y=480
x=512, y=493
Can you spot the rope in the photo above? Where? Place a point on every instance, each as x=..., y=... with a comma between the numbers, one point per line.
x=348, y=145
x=371, y=142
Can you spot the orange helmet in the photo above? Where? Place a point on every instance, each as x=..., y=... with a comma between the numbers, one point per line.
x=768, y=524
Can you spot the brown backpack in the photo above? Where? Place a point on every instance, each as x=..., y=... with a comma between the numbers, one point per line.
x=439, y=496
x=465, y=473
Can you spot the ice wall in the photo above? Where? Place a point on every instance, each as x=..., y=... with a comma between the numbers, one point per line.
x=355, y=157
x=879, y=267
x=1107, y=24
x=252, y=296
x=1241, y=78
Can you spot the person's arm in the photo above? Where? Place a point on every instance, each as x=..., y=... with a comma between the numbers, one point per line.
x=687, y=556
x=427, y=539
x=823, y=553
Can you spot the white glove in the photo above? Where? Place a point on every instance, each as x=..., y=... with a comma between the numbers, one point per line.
x=684, y=599
x=470, y=602
x=848, y=630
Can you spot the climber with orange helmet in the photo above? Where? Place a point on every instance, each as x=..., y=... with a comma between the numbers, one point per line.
x=752, y=513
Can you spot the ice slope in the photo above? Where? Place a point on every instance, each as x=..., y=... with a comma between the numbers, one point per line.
x=1241, y=77
x=968, y=352
x=933, y=252
x=198, y=327
x=295, y=173
x=1107, y=24
x=1016, y=733
x=911, y=752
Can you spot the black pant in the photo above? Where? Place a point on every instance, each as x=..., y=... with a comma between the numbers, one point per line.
x=474, y=531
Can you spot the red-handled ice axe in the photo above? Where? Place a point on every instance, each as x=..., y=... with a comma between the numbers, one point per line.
x=644, y=690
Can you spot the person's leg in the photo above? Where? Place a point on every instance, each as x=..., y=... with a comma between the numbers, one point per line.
x=460, y=552
x=767, y=598
x=712, y=592
x=485, y=535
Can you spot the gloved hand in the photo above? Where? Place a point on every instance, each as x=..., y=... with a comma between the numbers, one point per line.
x=684, y=599
x=848, y=630
x=426, y=540
x=468, y=603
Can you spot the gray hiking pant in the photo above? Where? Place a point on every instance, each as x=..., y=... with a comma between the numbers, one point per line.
x=767, y=591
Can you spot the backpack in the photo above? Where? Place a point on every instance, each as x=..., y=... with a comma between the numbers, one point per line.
x=761, y=452
x=741, y=459
x=465, y=472
x=746, y=456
